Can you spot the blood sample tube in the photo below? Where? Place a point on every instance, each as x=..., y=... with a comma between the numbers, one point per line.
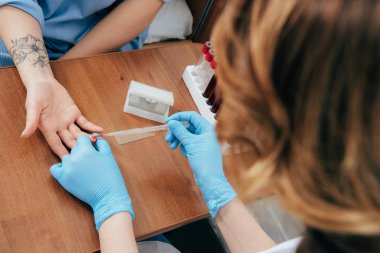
x=211, y=99
x=201, y=68
x=207, y=71
x=216, y=116
x=216, y=104
x=210, y=87
x=202, y=59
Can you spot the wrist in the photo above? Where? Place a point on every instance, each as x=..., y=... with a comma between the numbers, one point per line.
x=47, y=81
x=44, y=75
x=227, y=209
x=217, y=193
x=114, y=222
x=107, y=207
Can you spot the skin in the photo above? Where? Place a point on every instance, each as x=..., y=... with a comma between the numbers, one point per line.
x=51, y=109
x=239, y=229
x=48, y=105
x=116, y=234
x=105, y=38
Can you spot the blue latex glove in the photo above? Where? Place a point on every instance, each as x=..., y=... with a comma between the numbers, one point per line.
x=93, y=176
x=200, y=145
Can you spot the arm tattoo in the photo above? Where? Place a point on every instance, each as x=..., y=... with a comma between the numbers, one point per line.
x=31, y=48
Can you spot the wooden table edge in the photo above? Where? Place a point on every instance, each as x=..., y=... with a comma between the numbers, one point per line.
x=104, y=54
x=174, y=226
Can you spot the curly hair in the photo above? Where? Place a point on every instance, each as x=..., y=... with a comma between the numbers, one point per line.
x=300, y=82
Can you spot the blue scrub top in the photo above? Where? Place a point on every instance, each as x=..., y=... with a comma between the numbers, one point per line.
x=65, y=22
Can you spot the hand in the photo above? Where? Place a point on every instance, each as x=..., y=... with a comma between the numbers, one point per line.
x=200, y=145
x=50, y=107
x=94, y=177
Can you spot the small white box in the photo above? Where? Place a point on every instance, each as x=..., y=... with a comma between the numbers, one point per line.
x=148, y=102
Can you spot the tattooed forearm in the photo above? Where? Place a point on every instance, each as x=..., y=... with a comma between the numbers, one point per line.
x=29, y=48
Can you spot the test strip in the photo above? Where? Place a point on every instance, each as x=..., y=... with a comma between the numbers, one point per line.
x=124, y=139
x=143, y=130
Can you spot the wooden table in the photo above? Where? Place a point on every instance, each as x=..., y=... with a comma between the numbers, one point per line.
x=36, y=213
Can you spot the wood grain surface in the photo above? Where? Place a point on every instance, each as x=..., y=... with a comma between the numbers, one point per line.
x=36, y=213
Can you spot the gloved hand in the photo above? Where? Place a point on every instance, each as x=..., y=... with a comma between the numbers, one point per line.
x=94, y=177
x=200, y=145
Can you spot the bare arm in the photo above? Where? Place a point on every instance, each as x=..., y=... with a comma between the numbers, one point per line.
x=240, y=230
x=48, y=105
x=200, y=145
x=122, y=25
x=116, y=234
x=20, y=32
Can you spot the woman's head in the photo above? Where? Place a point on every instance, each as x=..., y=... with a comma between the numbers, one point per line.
x=300, y=84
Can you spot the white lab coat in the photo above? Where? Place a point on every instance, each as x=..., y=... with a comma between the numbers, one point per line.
x=161, y=247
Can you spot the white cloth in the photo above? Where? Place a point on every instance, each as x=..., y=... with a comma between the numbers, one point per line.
x=156, y=247
x=285, y=247
x=173, y=21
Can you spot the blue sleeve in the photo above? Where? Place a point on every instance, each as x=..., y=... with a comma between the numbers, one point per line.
x=29, y=6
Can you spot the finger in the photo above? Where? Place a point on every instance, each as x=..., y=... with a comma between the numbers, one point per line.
x=192, y=117
x=65, y=159
x=67, y=138
x=87, y=125
x=198, y=124
x=169, y=137
x=55, y=144
x=32, y=119
x=174, y=144
x=191, y=129
x=56, y=171
x=103, y=146
x=75, y=131
x=84, y=141
x=179, y=131
x=181, y=116
x=183, y=150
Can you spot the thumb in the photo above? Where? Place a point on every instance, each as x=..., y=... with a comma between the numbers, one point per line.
x=179, y=131
x=56, y=170
x=32, y=120
x=103, y=146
